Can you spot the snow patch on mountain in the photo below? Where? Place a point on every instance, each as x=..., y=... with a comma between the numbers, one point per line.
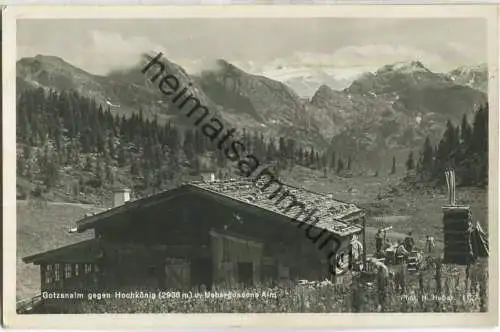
x=306, y=80
x=407, y=67
x=475, y=76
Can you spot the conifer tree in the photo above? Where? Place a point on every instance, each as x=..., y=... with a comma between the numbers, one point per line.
x=340, y=165
x=465, y=131
x=393, y=168
x=410, y=163
x=323, y=162
x=333, y=161
x=312, y=158
x=300, y=156
x=290, y=154
x=427, y=159
x=271, y=153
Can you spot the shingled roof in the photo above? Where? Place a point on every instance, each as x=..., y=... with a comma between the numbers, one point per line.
x=87, y=251
x=333, y=215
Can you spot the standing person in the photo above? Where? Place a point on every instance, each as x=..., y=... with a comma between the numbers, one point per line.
x=429, y=243
x=356, y=251
x=409, y=242
x=382, y=283
x=379, y=238
x=382, y=279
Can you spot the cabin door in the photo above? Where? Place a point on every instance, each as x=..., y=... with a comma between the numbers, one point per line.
x=245, y=273
x=177, y=275
x=202, y=272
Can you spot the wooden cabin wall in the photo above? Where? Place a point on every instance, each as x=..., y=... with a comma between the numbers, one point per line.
x=162, y=247
x=174, y=222
x=169, y=245
x=68, y=276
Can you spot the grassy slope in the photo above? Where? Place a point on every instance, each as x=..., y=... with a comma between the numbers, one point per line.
x=415, y=210
x=41, y=228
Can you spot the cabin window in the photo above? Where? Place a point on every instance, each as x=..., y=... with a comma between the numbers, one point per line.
x=96, y=268
x=88, y=268
x=57, y=272
x=67, y=271
x=48, y=274
x=77, y=266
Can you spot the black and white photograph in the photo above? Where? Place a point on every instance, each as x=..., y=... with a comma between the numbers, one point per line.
x=264, y=165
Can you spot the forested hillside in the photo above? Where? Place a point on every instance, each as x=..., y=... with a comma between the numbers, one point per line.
x=380, y=115
x=70, y=144
x=463, y=148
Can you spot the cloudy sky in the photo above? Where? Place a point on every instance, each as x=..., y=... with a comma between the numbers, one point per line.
x=258, y=44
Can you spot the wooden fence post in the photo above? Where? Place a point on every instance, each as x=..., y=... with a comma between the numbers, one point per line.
x=364, y=242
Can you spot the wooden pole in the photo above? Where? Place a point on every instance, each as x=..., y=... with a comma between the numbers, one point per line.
x=452, y=178
x=448, y=185
x=43, y=272
x=364, y=242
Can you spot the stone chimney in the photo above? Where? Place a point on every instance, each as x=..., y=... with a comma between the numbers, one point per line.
x=121, y=196
x=208, y=176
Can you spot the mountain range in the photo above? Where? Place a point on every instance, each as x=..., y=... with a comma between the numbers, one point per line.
x=391, y=109
x=306, y=80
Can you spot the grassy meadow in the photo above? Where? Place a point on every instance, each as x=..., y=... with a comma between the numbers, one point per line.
x=418, y=292
x=40, y=228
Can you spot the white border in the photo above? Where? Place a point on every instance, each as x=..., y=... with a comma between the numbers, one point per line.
x=338, y=320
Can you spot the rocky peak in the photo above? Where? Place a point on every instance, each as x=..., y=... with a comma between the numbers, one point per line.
x=48, y=63
x=404, y=67
x=323, y=93
x=473, y=76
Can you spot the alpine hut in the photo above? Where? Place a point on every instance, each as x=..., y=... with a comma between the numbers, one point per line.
x=207, y=233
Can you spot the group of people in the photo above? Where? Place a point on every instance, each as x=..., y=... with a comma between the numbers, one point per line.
x=404, y=247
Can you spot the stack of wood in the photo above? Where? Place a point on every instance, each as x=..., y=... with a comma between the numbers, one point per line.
x=458, y=227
